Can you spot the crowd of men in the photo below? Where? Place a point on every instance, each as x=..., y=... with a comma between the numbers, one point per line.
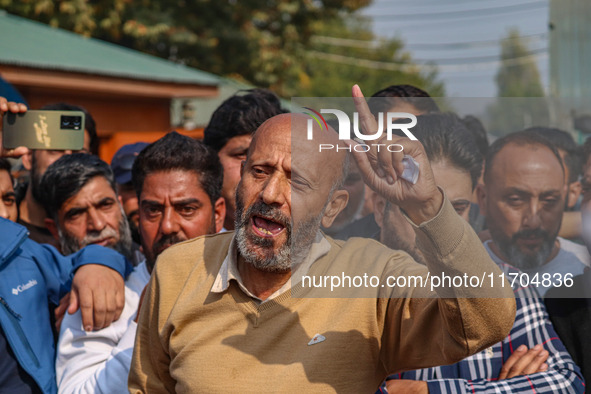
x=95, y=297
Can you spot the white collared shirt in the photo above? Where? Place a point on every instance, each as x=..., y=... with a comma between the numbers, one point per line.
x=99, y=361
x=229, y=269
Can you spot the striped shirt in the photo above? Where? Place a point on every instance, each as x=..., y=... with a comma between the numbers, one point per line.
x=479, y=372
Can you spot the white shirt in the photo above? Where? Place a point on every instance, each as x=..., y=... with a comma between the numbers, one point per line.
x=229, y=269
x=99, y=361
x=571, y=259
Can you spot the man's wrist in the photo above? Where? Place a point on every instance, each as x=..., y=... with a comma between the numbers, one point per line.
x=425, y=211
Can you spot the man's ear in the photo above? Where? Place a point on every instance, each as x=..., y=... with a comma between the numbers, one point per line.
x=28, y=160
x=572, y=193
x=481, y=193
x=379, y=207
x=52, y=227
x=219, y=212
x=337, y=203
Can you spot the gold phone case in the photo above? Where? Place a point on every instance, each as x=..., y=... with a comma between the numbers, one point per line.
x=55, y=130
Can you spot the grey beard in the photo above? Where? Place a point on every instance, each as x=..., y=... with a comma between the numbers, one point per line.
x=522, y=260
x=293, y=252
x=303, y=239
x=70, y=244
x=519, y=259
x=275, y=263
x=270, y=262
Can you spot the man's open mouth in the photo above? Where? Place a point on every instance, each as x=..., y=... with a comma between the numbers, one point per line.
x=266, y=227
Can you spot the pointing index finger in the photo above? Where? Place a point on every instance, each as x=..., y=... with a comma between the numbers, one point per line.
x=368, y=125
x=366, y=118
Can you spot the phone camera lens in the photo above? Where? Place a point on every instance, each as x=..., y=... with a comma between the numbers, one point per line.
x=71, y=122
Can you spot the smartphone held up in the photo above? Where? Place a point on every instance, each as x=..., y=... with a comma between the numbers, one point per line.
x=51, y=130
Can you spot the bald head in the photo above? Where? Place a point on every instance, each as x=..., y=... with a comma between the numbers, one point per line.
x=289, y=132
x=523, y=139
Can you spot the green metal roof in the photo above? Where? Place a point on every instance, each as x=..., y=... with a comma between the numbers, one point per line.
x=32, y=44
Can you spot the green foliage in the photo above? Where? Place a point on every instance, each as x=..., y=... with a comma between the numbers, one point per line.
x=80, y=16
x=521, y=103
x=267, y=43
x=518, y=75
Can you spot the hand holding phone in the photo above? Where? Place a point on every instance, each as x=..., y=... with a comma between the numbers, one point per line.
x=51, y=130
x=12, y=107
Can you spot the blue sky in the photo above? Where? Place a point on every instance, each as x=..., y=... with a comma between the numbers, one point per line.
x=462, y=36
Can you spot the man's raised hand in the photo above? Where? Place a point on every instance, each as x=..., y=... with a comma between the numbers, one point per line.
x=10, y=106
x=382, y=168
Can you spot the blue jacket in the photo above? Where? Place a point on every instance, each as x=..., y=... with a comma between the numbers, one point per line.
x=30, y=275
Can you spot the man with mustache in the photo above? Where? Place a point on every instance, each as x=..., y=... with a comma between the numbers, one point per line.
x=228, y=310
x=83, y=209
x=178, y=182
x=31, y=195
x=82, y=205
x=523, y=199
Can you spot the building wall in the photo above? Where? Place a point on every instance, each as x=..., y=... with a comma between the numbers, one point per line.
x=112, y=114
x=570, y=49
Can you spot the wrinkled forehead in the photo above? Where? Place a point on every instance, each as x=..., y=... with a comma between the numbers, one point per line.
x=91, y=192
x=288, y=134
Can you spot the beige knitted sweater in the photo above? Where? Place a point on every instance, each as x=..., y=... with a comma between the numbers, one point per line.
x=191, y=340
